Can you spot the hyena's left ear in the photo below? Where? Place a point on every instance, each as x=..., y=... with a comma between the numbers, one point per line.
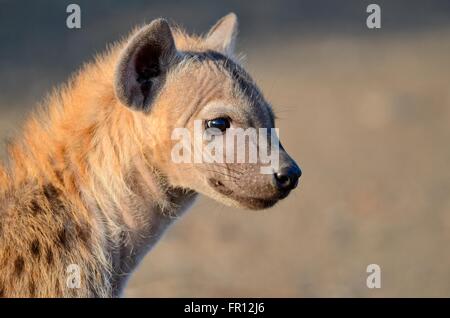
x=222, y=36
x=143, y=65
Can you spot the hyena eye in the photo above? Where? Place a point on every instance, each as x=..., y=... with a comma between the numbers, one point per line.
x=220, y=123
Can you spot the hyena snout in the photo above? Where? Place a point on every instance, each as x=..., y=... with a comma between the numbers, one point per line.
x=287, y=176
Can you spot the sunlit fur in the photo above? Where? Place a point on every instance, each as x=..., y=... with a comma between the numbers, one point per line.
x=90, y=181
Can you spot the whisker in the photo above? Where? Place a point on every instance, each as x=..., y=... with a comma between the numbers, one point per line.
x=222, y=173
x=230, y=169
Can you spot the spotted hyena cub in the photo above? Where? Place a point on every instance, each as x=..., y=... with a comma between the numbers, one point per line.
x=92, y=183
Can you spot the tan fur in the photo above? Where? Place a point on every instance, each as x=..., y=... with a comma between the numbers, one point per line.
x=90, y=181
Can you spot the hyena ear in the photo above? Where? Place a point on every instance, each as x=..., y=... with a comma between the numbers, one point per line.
x=143, y=65
x=222, y=36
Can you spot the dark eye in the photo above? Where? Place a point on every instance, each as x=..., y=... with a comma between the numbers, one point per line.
x=220, y=123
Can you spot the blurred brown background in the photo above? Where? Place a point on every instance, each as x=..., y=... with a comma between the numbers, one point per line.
x=366, y=113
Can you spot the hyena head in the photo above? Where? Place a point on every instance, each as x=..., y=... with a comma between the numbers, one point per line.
x=190, y=91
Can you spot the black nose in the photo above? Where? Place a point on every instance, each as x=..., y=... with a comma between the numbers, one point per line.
x=287, y=178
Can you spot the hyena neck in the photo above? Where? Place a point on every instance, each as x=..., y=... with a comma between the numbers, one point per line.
x=91, y=148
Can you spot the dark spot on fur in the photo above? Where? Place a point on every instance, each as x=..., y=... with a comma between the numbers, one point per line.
x=2, y=291
x=49, y=257
x=35, y=248
x=83, y=233
x=5, y=256
x=35, y=207
x=53, y=197
x=63, y=238
x=32, y=288
x=59, y=176
x=50, y=192
x=19, y=265
x=57, y=289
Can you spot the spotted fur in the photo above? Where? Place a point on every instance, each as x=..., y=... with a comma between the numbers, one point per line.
x=90, y=181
